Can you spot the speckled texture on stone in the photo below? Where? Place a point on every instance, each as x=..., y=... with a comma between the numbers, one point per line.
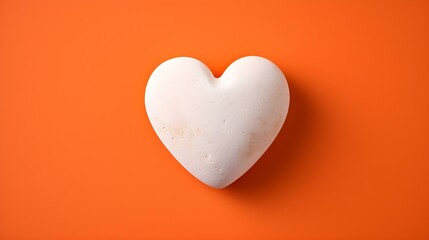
x=217, y=128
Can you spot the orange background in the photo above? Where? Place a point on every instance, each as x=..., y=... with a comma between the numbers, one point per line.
x=79, y=159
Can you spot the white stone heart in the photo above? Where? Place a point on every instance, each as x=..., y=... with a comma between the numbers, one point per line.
x=217, y=128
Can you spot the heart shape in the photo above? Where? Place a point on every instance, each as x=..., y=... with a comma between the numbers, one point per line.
x=217, y=128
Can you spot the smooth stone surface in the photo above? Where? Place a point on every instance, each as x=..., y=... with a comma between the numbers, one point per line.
x=217, y=128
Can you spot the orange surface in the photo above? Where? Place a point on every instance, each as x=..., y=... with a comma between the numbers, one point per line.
x=79, y=159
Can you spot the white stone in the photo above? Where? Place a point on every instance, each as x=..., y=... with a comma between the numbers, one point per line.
x=217, y=128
